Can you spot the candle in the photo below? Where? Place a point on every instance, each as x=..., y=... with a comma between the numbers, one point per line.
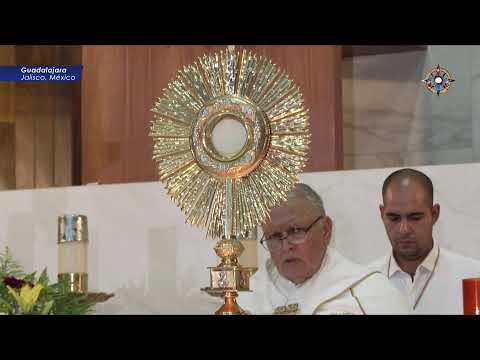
x=471, y=296
x=72, y=257
x=72, y=251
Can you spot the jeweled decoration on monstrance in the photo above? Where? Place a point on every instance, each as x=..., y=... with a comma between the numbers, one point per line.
x=230, y=191
x=215, y=190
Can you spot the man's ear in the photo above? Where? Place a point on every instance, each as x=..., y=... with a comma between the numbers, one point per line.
x=382, y=210
x=327, y=229
x=435, y=212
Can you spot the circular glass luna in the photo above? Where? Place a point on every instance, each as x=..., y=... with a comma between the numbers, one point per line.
x=230, y=136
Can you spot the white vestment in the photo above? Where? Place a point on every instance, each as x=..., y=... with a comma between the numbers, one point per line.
x=443, y=294
x=338, y=287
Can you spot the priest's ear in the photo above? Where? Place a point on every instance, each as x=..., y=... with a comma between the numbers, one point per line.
x=327, y=229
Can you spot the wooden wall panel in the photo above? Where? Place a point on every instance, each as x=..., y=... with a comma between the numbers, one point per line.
x=36, y=104
x=67, y=129
x=43, y=107
x=24, y=139
x=62, y=137
x=121, y=83
x=7, y=57
x=139, y=101
x=103, y=112
x=43, y=114
x=7, y=128
x=7, y=156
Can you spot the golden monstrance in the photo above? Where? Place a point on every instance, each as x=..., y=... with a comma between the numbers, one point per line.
x=230, y=190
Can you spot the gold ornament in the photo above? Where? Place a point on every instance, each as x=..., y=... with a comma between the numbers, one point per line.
x=230, y=193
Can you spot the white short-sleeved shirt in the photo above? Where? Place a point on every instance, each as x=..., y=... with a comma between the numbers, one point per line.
x=443, y=294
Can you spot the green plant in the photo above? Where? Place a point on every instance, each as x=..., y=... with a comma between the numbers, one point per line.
x=27, y=294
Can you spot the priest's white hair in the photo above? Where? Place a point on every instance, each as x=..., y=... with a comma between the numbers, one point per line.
x=315, y=199
x=310, y=195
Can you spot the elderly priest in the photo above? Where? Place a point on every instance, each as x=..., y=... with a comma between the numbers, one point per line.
x=304, y=275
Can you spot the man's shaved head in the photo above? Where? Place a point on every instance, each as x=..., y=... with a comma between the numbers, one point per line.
x=409, y=215
x=405, y=177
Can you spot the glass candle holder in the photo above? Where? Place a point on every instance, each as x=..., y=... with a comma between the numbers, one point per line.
x=72, y=251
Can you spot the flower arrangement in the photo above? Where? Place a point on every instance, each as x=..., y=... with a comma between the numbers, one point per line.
x=27, y=294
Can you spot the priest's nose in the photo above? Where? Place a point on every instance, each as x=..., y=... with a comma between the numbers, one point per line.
x=287, y=245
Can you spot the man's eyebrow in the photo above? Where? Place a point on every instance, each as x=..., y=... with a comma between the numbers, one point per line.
x=390, y=213
x=416, y=213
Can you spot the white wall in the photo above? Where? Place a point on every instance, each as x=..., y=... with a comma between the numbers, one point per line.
x=142, y=250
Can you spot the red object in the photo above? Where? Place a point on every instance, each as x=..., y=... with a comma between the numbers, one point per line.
x=471, y=296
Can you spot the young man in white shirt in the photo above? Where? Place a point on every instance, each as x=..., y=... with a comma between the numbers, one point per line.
x=429, y=276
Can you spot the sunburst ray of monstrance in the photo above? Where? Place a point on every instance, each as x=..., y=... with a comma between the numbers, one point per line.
x=230, y=192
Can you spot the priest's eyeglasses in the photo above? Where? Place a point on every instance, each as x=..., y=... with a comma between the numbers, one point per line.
x=294, y=236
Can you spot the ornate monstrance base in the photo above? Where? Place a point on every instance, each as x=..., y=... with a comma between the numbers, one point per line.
x=230, y=306
x=229, y=277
